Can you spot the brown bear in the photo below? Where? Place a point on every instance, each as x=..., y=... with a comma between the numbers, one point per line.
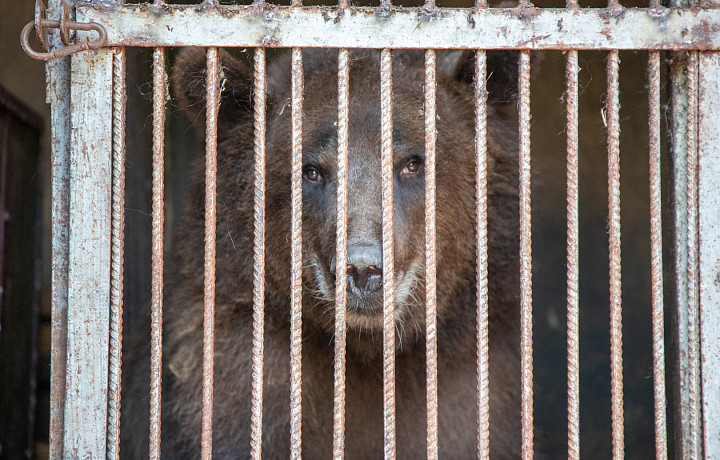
x=456, y=273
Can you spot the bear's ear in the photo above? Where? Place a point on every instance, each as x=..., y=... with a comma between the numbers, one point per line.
x=235, y=80
x=502, y=72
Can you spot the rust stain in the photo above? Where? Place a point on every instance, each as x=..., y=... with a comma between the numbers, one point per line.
x=607, y=32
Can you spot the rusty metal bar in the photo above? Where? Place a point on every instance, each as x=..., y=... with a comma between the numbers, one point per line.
x=430, y=258
x=258, y=259
x=430, y=8
x=613, y=127
x=481, y=28
x=341, y=254
x=86, y=404
x=388, y=253
x=296, y=260
x=483, y=372
x=695, y=447
x=573, y=270
x=680, y=98
x=117, y=253
x=58, y=96
x=709, y=260
x=525, y=260
x=212, y=106
x=658, y=315
x=158, y=229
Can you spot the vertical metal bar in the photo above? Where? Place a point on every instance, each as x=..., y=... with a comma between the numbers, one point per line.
x=430, y=262
x=158, y=221
x=613, y=126
x=341, y=254
x=709, y=242
x=429, y=7
x=296, y=261
x=259, y=259
x=341, y=250
x=89, y=262
x=482, y=255
x=213, y=103
x=695, y=447
x=483, y=368
x=658, y=315
x=679, y=104
x=573, y=311
x=573, y=269
x=679, y=101
x=58, y=91
x=117, y=252
x=388, y=254
x=525, y=260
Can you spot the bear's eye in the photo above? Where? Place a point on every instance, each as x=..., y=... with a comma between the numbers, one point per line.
x=412, y=167
x=312, y=174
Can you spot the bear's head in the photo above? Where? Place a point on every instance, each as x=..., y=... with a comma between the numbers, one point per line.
x=456, y=189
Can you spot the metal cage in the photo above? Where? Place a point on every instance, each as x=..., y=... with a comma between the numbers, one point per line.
x=88, y=194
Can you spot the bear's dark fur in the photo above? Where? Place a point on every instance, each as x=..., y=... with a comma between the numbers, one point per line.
x=183, y=327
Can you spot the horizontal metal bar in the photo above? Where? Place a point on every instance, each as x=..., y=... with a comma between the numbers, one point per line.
x=491, y=28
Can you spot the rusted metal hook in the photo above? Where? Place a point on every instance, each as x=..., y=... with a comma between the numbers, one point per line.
x=40, y=24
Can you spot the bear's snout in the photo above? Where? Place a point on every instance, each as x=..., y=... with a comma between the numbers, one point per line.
x=364, y=269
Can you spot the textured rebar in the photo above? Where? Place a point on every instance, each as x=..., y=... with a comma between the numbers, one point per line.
x=341, y=255
x=616, y=373
x=296, y=261
x=658, y=313
x=258, y=259
x=692, y=259
x=430, y=262
x=525, y=260
x=117, y=254
x=483, y=369
x=388, y=252
x=211, y=111
x=573, y=338
x=158, y=220
x=429, y=8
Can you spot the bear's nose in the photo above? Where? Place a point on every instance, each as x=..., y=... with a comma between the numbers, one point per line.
x=364, y=268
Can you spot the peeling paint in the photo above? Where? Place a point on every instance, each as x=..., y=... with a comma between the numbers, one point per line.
x=490, y=28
